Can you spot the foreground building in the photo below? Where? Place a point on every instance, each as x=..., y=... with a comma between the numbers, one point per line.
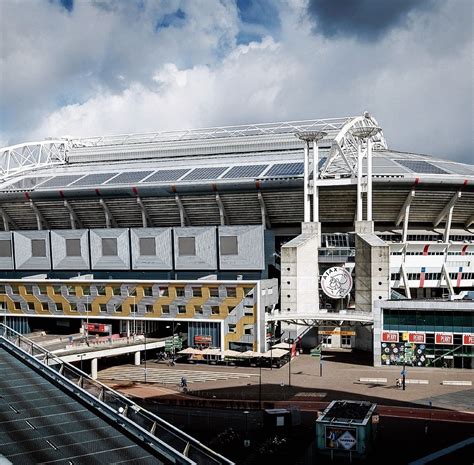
x=243, y=235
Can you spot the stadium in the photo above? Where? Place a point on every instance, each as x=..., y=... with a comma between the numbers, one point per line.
x=312, y=231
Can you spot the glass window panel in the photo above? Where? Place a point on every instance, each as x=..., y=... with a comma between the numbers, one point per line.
x=187, y=246
x=147, y=246
x=109, y=247
x=38, y=248
x=5, y=248
x=73, y=247
x=229, y=245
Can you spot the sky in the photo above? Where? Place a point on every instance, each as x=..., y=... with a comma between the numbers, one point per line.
x=93, y=67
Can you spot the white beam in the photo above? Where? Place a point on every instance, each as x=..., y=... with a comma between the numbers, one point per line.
x=146, y=219
x=222, y=212
x=449, y=283
x=182, y=212
x=405, y=281
x=40, y=220
x=7, y=219
x=447, y=208
x=359, y=181
x=369, y=180
x=75, y=221
x=406, y=207
x=263, y=209
x=306, y=182
x=109, y=219
x=469, y=222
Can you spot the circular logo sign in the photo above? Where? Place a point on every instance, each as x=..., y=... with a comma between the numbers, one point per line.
x=336, y=282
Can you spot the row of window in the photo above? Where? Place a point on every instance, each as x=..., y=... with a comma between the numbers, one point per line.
x=118, y=308
x=122, y=291
x=425, y=237
x=430, y=276
x=229, y=245
x=420, y=319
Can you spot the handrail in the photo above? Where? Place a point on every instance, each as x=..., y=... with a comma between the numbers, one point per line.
x=168, y=441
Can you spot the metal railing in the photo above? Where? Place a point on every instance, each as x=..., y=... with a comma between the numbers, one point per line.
x=168, y=442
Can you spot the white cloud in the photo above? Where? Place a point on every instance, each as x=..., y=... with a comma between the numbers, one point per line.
x=417, y=81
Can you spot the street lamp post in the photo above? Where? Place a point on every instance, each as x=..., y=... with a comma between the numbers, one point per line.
x=144, y=335
x=290, y=341
x=260, y=384
x=246, y=440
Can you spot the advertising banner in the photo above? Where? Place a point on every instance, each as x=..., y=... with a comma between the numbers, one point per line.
x=468, y=339
x=419, y=338
x=340, y=438
x=389, y=336
x=443, y=338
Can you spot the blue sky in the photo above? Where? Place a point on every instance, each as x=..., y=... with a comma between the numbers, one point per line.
x=88, y=67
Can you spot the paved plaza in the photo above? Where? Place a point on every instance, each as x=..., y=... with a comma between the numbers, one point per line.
x=341, y=374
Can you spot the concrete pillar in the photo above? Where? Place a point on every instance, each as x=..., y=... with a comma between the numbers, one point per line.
x=369, y=180
x=137, y=358
x=315, y=180
x=94, y=368
x=359, y=182
x=307, y=205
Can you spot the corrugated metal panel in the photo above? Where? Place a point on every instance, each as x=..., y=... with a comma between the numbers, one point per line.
x=205, y=257
x=59, y=249
x=100, y=261
x=162, y=259
x=24, y=250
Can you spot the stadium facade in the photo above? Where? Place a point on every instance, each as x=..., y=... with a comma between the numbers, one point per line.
x=240, y=236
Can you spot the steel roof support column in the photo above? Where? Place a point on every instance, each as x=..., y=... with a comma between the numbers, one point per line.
x=360, y=156
x=146, y=219
x=40, y=220
x=444, y=271
x=7, y=219
x=109, y=219
x=317, y=137
x=405, y=281
x=222, y=212
x=447, y=211
x=182, y=212
x=369, y=179
x=263, y=209
x=75, y=221
x=404, y=214
x=469, y=222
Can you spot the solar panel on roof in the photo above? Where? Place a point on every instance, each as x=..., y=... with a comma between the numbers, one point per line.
x=205, y=173
x=285, y=169
x=27, y=183
x=167, y=175
x=93, y=179
x=248, y=171
x=60, y=181
x=129, y=177
x=420, y=166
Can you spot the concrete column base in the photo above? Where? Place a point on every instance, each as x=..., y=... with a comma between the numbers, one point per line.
x=137, y=358
x=364, y=227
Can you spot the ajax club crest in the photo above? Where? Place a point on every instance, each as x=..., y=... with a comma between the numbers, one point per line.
x=336, y=282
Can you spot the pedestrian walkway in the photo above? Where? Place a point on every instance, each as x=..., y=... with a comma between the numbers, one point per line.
x=167, y=376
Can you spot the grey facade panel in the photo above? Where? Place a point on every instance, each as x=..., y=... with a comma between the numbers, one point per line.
x=250, y=248
x=32, y=250
x=151, y=249
x=70, y=249
x=205, y=257
x=106, y=261
x=6, y=251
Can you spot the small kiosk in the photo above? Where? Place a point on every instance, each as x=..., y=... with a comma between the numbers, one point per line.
x=346, y=428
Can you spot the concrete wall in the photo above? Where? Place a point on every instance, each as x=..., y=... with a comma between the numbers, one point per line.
x=100, y=258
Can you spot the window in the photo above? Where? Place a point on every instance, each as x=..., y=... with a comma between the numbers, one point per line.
x=118, y=308
x=73, y=247
x=248, y=311
x=116, y=291
x=38, y=248
x=186, y=246
x=86, y=290
x=229, y=245
x=103, y=308
x=395, y=276
x=133, y=308
x=88, y=307
x=147, y=246
x=109, y=247
x=180, y=292
x=215, y=310
x=214, y=292
x=59, y=307
x=181, y=308
x=100, y=290
x=5, y=248
x=164, y=292
x=17, y=305
x=57, y=290
x=232, y=328
x=31, y=306
x=15, y=290
x=231, y=292
x=165, y=309
x=248, y=330
x=45, y=306
x=198, y=310
x=197, y=292
x=148, y=291
x=73, y=306
x=2, y=289
x=29, y=290
x=71, y=290
x=148, y=308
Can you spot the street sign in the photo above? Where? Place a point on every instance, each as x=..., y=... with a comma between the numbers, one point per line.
x=404, y=372
x=347, y=441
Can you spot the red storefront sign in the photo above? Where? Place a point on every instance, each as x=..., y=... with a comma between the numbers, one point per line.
x=443, y=338
x=468, y=339
x=388, y=336
x=98, y=328
x=417, y=338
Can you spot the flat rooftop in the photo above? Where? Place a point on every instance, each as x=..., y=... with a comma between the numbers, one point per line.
x=346, y=411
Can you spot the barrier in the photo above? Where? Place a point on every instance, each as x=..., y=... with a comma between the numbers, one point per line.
x=417, y=381
x=456, y=383
x=373, y=380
